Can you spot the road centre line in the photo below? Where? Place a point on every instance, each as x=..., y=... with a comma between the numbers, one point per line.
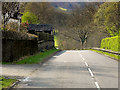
x=88, y=67
x=82, y=57
x=86, y=64
x=91, y=73
x=97, y=85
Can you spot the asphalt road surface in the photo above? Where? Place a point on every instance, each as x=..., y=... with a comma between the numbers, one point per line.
x=74, y=69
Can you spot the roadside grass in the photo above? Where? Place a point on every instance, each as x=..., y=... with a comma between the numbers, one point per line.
x=5, y=83
x=37, y=58
x=108, y=54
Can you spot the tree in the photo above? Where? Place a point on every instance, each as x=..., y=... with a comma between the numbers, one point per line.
x=107, y=16
x=30, y=18
x=44, y=11
x=81, y=23
x=8, y=11
x=60, y=19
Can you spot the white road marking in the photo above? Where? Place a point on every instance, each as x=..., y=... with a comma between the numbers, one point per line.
x=54, y=56
x=83, y=59
x=45, y=64
x=91, y=73
x=81, y=56
x=86, y=64
x=26, y=79
x=97, y=85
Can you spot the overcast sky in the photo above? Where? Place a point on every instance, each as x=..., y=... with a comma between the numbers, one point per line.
x=60, y=0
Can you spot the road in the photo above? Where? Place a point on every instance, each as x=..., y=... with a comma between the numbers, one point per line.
x=73, y=69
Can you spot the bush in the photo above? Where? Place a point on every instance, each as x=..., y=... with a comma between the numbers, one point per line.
x=14, y=35
x=111, y=43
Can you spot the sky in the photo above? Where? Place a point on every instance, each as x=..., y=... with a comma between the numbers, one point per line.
x=60, y=0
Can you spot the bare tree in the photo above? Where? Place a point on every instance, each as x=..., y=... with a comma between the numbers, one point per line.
x=81, y=23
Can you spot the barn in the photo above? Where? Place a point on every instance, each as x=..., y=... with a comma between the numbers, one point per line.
x=47, y=28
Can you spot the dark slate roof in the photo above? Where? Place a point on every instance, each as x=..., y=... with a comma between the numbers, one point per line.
x=40, y=27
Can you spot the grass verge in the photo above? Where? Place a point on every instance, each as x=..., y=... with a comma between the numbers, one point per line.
x=6, y=83
x=37, y=58
x=108, y=54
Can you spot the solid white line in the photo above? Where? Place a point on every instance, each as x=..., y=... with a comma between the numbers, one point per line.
x=90, y=72
x=86, y=64
x=97, y=85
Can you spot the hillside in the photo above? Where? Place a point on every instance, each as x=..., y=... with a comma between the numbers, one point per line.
x=67, y=5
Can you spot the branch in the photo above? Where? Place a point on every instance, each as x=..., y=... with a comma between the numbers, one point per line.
x=70, y=37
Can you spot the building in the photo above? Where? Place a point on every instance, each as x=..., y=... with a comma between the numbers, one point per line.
x=47, y=28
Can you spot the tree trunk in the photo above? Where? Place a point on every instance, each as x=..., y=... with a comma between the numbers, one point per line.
x=4, y=22
x=82, y=45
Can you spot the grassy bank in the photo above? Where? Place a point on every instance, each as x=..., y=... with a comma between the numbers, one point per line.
x=6, y=83
x=37, y=58
x=108, y=54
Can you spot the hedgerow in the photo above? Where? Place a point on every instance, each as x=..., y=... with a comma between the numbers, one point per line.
x=7, y=34
x=111, y=43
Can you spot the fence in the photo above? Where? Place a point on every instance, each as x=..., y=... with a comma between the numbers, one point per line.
x=17, y=44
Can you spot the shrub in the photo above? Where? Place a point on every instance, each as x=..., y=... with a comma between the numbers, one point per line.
x=13, y=26
x=111, y=43
x=14, y=35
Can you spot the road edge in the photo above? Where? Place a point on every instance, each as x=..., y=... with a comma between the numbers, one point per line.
x=47, y=58
x=43, y=61
x=106, y=55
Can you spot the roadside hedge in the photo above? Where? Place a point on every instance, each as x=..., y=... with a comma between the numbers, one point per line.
x=111, y=43
x=14, y=35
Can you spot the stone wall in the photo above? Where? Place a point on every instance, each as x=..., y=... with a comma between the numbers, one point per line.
x=45, y=45
x=45, y=41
